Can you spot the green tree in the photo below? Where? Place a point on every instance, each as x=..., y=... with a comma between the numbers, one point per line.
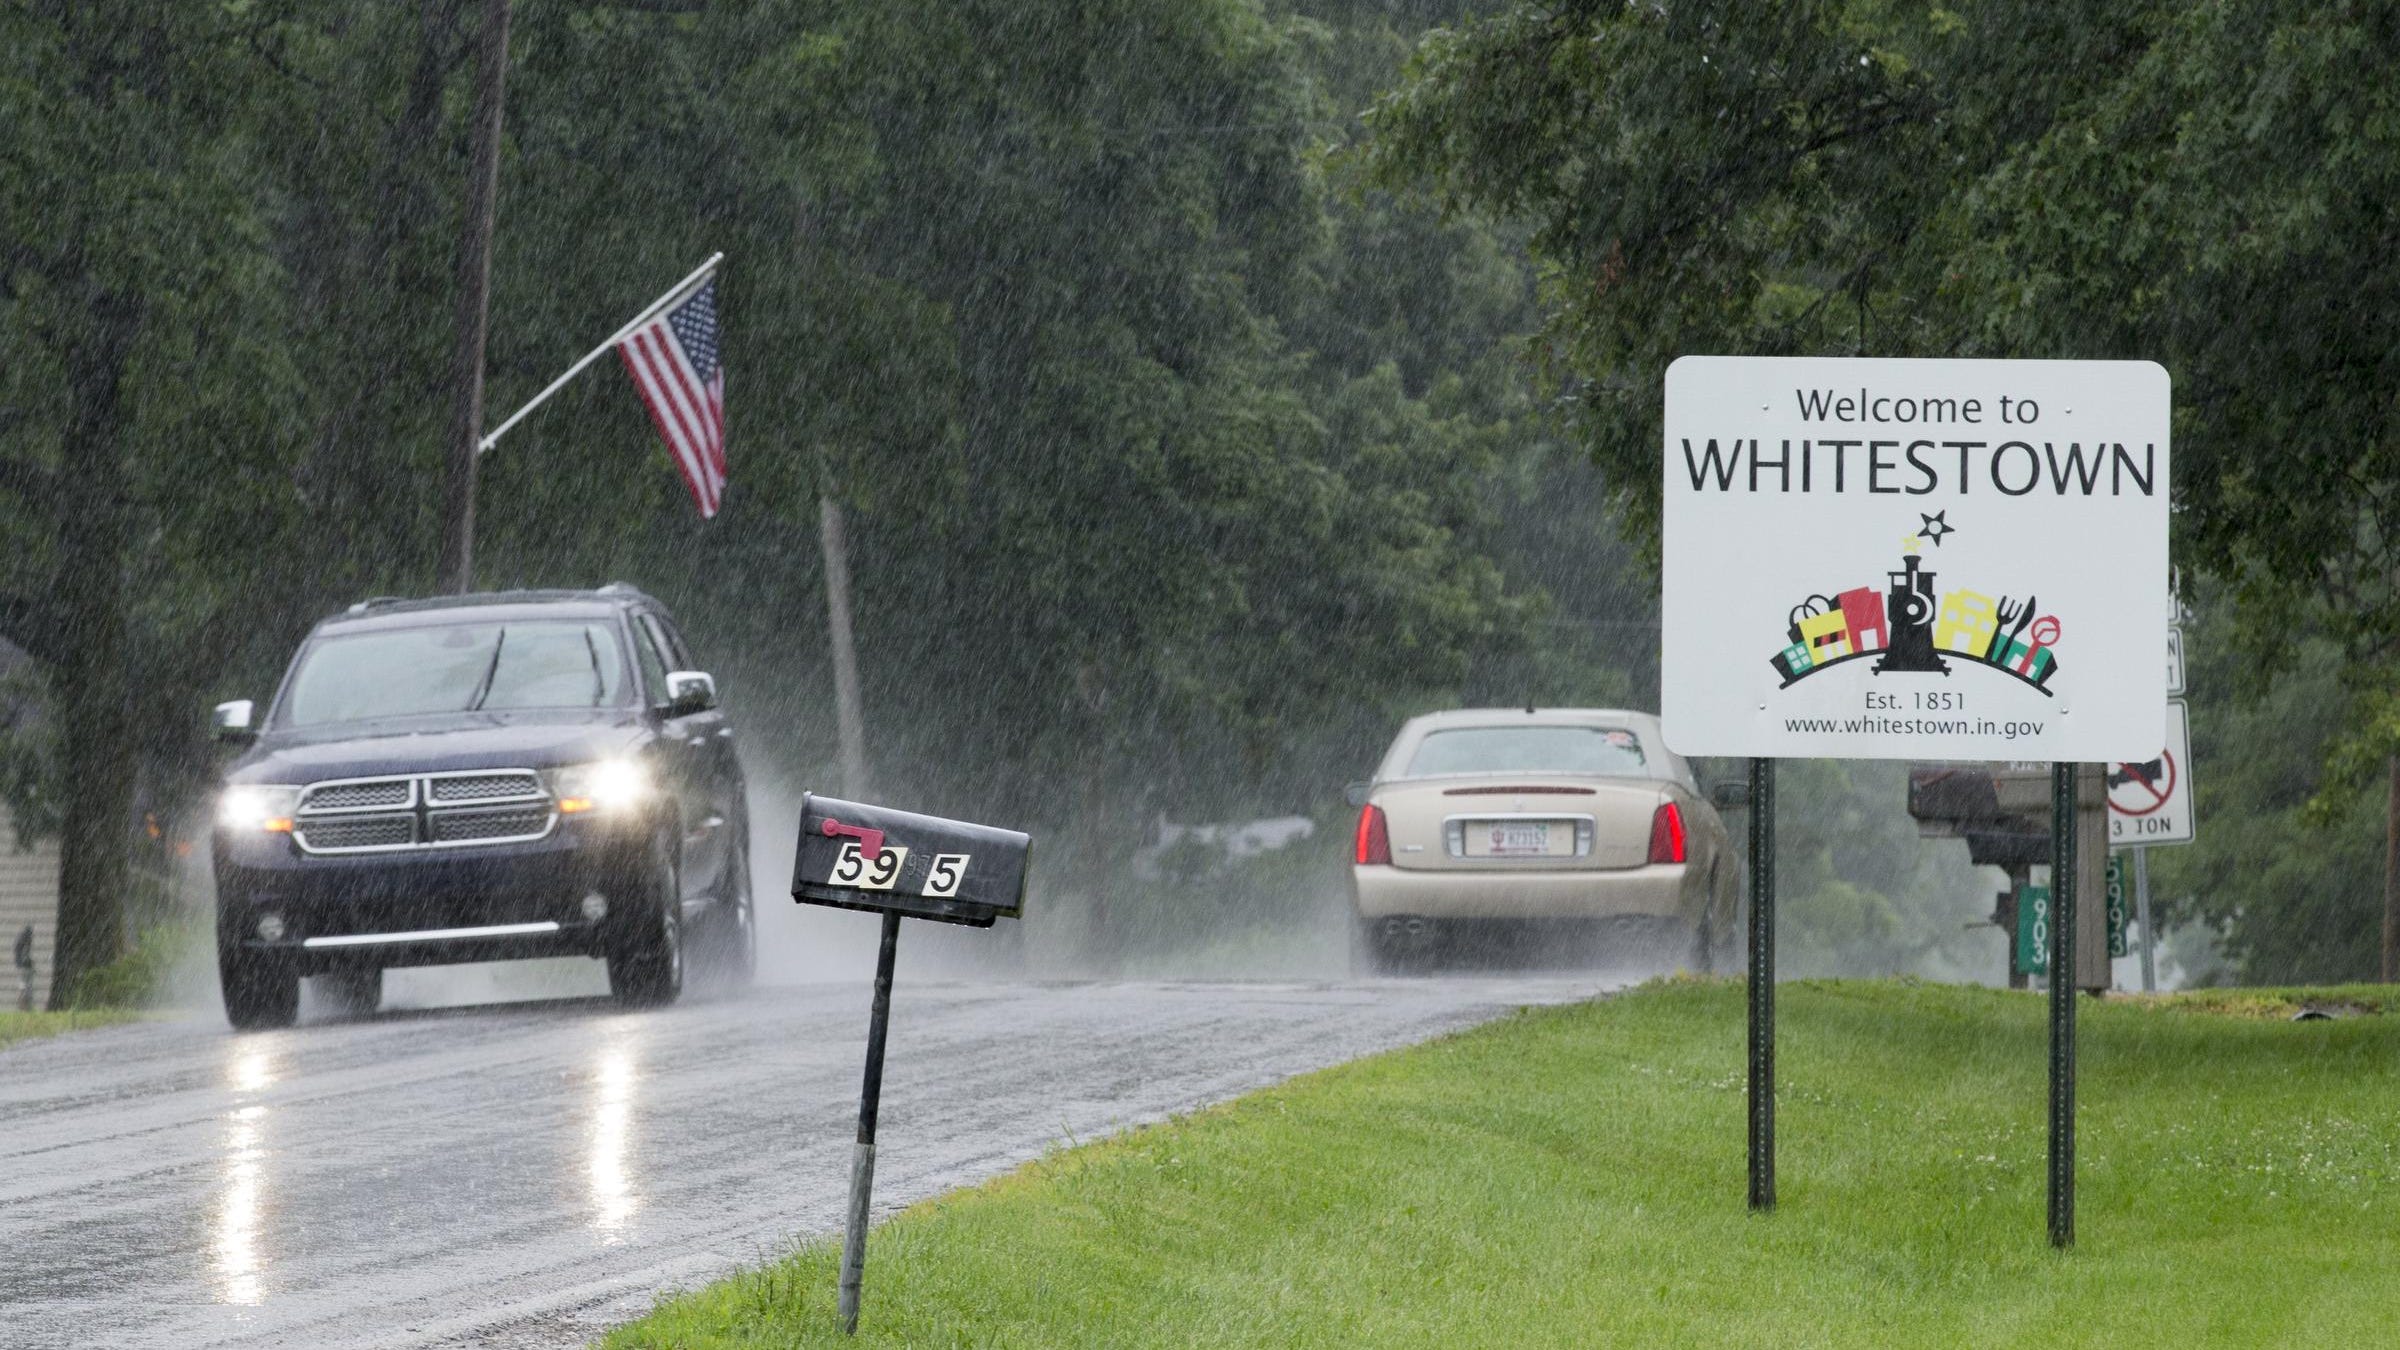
x=1784, y=179
x=2201, y=185
x=2287, y=867
x=139, y=305
x=1177, y=474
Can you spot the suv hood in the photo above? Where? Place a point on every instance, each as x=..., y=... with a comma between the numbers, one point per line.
x=420, y=745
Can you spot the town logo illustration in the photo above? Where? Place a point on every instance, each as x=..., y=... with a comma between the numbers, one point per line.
x=1907, y=629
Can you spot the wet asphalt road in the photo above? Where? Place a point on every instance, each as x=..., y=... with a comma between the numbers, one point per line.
x=529, y=1174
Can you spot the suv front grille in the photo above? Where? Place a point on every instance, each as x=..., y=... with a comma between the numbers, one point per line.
x=384, y=792
x=346, y=833
x=484, y=827
x=441, y=810
x=514, y=785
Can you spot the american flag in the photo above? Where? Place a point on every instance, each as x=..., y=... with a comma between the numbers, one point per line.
x=673, y=361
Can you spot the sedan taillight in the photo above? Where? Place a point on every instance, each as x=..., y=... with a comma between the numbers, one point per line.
x=1374, y=836
x=1666, y=834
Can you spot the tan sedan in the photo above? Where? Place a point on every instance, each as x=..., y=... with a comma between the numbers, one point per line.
x=1557, y=814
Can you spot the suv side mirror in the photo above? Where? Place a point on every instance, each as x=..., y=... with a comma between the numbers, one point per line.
x=690, y=691
x=1733, y=794
x=1356, y=794
x=231, y=721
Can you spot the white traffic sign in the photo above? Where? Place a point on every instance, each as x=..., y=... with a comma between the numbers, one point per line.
x=1888, y=559
x=2174, y=662
x=2150, y=801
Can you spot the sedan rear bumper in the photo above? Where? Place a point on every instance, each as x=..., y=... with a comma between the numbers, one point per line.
x=1659, y=890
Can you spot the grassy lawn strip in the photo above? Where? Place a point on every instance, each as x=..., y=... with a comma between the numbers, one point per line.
x=1573, y=1177
x=25, y=1026
x=2340, y=1000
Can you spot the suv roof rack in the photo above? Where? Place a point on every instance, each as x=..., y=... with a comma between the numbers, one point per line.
x=613, y=592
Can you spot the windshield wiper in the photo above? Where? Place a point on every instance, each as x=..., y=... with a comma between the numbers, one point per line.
x=599, y=681
x=483, y=687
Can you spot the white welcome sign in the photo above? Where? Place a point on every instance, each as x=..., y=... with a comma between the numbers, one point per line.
x=1898, y=559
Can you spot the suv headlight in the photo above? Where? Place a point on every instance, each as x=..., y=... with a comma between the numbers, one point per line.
x=258, y=806
x=608, y=787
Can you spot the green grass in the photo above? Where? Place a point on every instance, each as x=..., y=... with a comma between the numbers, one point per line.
x=25, y=1026
x=1574, y=1177
x=2337, y=999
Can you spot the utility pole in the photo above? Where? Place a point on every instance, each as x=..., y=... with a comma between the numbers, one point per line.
x=848, y=717
x=474, y=303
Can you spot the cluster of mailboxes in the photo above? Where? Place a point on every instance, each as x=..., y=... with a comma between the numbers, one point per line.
x=873, y=858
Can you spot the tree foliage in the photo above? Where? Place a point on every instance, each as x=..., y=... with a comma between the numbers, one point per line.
x=2284, y=874
x=2204, y=185
x=141, y=398
x=1174, y=466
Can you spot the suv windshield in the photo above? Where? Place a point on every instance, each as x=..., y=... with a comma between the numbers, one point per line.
x=1606, y=751
x=462, y=667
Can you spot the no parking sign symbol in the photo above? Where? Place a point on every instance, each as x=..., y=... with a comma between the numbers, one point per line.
x=2150, y=802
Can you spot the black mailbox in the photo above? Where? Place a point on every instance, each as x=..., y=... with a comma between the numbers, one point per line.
x=1952, y=796
x=873, y=858
x=1997, y=811
x=2002, y=847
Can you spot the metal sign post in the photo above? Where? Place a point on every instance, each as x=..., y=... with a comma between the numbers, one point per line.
x=2141, y=915
x=2062, y=1004
x=1762, y=984
x=896, y=863
x=862, y=1158
x=2141, y=855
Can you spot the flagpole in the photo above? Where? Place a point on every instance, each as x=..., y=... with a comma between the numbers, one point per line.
x=674, y=293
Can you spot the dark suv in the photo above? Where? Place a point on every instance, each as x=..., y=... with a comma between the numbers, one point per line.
x=479, y=778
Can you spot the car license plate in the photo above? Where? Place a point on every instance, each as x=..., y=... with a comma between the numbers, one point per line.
x=1516, y=838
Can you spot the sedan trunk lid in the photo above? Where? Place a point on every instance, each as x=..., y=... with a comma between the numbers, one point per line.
x=1547, y=822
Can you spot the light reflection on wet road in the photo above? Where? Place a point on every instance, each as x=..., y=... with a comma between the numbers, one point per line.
x=236, y=1247
x=524, y=1175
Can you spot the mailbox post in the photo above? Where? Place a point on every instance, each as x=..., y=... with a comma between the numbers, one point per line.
x=897, y=864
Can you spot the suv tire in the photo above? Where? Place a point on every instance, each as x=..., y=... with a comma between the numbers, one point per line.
x=261, y=993
x=645, y=964
x=733, y=955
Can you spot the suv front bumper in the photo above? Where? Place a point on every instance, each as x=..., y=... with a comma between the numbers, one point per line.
x=431, y=906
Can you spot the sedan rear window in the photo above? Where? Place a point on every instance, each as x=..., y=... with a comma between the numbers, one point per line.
x=461, y=667
x=1606, y=751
